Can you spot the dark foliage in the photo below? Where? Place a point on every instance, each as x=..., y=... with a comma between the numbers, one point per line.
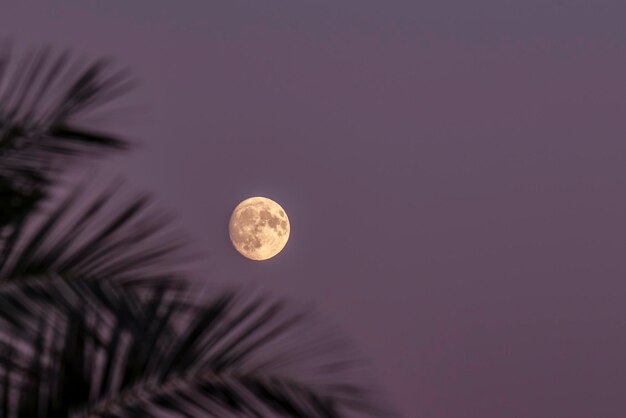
x=43, y=97
x=126, y=241
x=85, y=348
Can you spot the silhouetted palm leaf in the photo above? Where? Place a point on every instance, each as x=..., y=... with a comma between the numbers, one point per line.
x=42, y=99
x=75, y=348
x=95, y=239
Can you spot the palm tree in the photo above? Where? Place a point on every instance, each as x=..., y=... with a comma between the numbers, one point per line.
x=95, y=318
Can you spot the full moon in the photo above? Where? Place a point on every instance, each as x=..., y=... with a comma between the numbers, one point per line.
x=259, y=228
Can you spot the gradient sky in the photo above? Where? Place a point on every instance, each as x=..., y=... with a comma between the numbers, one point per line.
x=455, y=174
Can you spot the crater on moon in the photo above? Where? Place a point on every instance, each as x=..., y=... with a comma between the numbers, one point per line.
x=259, y=228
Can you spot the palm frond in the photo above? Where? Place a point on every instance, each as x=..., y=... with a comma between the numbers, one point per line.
x=89, y=349
x=103, y=238
x=43, y=99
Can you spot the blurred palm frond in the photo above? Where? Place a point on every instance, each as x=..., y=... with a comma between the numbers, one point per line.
x=102, y=238
x=87, y=349
x=43, y=97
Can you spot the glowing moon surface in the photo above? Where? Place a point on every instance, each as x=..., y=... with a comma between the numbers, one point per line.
x=259, y=228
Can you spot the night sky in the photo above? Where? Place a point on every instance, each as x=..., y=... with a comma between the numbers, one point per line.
x=454, y=171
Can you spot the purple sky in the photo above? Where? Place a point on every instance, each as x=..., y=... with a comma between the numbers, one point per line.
x=455, y=174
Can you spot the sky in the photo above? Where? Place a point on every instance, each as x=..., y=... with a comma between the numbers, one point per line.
x=454, y=173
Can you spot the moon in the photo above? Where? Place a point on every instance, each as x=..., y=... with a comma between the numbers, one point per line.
x=259, y=228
